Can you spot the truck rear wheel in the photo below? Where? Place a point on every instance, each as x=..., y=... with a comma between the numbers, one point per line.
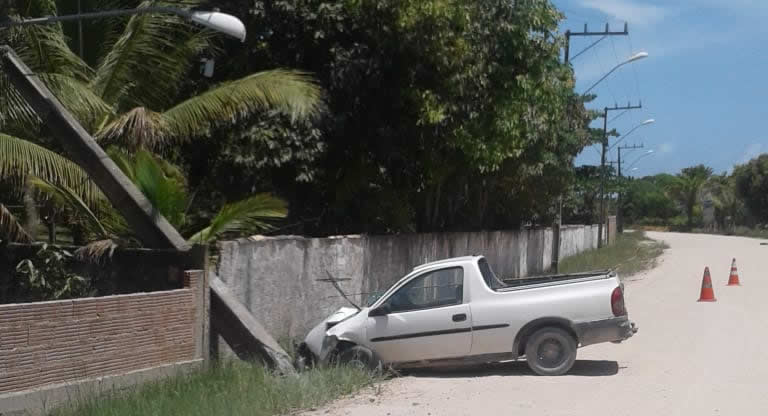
x=550, y=351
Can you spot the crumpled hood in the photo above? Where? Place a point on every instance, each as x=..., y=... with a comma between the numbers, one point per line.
x=316, y=337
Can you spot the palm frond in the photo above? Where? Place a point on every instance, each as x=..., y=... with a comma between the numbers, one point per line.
x=145, y=66
x=291, y=92
x=162, y=184
x=97, y=251
x=139, y=128
x=16, y=115
x=21, y=159
x=79, y=99
x=75, y=95
x=247, y=216
x=44, y=49
x=11, y=228
x=73, y=202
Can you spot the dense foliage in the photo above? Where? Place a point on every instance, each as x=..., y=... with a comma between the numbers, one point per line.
x=697, y=198
x=443, y=115
x=751, y=183
x=437, y=114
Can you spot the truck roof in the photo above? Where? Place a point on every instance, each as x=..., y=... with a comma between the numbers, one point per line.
x=450, y=260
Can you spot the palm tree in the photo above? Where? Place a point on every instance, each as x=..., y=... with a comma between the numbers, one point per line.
x=687, y=187
x=729, y=208
x=132, y=97
x=165, y=186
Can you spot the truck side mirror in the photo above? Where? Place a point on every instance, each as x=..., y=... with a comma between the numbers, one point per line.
x=382, y=310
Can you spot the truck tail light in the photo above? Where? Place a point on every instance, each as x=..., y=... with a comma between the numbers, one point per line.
x=617, y=302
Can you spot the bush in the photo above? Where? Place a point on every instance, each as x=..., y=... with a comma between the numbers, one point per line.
x=48, y=276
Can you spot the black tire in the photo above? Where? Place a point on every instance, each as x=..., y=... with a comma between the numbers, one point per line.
x=304, y=358
x=550, y=351
x=360, y=357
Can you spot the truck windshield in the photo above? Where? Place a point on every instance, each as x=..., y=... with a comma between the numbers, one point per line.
x=372, y=298
x=489, y=277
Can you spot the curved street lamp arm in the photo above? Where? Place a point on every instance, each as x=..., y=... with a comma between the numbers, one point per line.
x=604, y=77
x=638, y=159
x=221, y=22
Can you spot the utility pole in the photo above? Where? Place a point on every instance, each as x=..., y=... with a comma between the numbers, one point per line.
x=619, y=215
x=602, y=165
x=586, y=32
x=567, y=58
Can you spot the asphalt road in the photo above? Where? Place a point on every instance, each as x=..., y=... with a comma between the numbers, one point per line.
x=688, y=358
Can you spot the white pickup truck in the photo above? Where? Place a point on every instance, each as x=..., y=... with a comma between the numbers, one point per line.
x=456, y=311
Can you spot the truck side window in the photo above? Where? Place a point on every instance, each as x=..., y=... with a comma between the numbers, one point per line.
x=489, y=277
x=434, y=289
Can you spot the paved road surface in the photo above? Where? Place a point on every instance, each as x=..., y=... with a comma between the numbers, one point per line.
x=688, y=358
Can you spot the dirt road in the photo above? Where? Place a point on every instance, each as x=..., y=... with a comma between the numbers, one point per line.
x=688, y=358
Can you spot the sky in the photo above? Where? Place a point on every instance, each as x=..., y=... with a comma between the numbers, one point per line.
x=705, y=81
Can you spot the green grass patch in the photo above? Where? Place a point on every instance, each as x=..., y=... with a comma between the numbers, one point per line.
x=632, y=253
x=232, y=389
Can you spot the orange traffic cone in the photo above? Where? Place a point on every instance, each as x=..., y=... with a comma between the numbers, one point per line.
x=707, y=293
x=734, y=279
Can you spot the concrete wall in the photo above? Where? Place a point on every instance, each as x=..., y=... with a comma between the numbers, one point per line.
x=276, y=278
x=611, y=229
x=46, y=344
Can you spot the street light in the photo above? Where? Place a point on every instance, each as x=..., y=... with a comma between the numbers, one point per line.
x=633, y=58
x=648, y=153
x=220, y=22
x=152, y=228
x=644, y=123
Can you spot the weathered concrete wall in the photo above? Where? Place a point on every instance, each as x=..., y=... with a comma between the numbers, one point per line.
x=276, y=278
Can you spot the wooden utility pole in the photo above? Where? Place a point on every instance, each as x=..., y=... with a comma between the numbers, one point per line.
x=602, y=165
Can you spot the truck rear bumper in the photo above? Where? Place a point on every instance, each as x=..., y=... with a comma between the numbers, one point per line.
x=606, y=330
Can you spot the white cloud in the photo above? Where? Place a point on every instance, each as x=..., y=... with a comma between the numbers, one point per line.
x=666, y=148
x=628, y=10
x=754, y=150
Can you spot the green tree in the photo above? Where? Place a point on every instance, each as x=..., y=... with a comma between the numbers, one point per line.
x=647, y=201
x=729, y=207
x=445, y=114
x=687, y=187
x=165, y=186
x=135, y=93
x=751, y=182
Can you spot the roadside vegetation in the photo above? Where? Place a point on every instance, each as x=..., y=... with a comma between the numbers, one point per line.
x=233, y=389
x=698, y=200
x=632, y=253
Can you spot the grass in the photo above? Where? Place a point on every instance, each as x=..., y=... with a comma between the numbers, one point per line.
x=231, y=389
x=632, y=253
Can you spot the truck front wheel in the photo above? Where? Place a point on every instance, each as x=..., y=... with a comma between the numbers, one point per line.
x=360, y=357
x=550, y=351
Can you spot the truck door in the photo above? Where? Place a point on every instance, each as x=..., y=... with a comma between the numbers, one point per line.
x=427, y=319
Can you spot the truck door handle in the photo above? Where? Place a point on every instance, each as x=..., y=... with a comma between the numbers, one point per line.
x=460, y=317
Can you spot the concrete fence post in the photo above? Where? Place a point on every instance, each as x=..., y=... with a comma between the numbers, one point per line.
x=197, y=280
x=555, y=247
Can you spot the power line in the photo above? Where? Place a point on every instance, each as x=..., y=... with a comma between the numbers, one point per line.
x=588, y=47
x=602, y=69
x=621, y=76
x=617, y=116
x=634, y=71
